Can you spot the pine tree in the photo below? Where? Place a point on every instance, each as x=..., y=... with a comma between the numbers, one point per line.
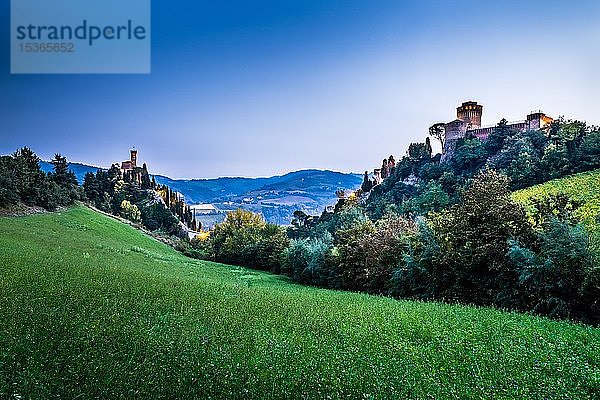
x=29, y=176
x=91, y=187
x=61, y=169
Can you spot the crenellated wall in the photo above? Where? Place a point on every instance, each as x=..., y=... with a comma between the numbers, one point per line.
x=468, y=122
x=471, y=113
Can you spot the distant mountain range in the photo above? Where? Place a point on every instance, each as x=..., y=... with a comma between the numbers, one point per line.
x=276, y=197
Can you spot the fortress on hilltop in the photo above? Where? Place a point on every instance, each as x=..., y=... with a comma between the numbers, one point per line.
x=130, y=164
x=130, y=170
x=468, y=124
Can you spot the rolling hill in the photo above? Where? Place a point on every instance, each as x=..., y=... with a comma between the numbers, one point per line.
x=314, y=183
x=584, y=187
x=276, y=197
x=92, y=308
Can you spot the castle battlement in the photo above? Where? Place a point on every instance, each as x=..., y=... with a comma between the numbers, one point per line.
x=468, y=123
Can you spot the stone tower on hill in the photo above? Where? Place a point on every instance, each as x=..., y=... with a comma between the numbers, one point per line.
x=468, y=123
x=470, y=112
x=130, y=164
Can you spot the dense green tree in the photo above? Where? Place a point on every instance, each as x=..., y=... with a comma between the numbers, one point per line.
x=556, y=162
x=146, y=183
x=91, y=187
x=270, y=247
x=245, y=239
x=588, y=154
x=431, y=198
x=130, y=211
x=65, y=179
x=495, y=140
x=419, y=153
x=61, y=174
x=9, y=186
x=51, y=196
x=306, y=261
x=351, y=255
x=233, y=240
x=29, y=176
x=470, y=155
x=158, y=217
x=472, y=242
x=553, y=274
x=22, y=180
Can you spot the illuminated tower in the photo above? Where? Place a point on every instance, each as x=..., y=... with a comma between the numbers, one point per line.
x=133, y=153
x=470, y=112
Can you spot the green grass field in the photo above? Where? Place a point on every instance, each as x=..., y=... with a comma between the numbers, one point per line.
x=91, y=308
x=584, y=187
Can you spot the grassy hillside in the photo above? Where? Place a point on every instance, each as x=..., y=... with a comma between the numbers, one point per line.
x=584, y=187
x=91, y=308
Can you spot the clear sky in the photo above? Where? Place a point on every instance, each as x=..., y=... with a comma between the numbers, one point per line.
x=257, y=88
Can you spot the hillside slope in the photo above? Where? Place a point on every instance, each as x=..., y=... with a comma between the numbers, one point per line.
x=583, y=187
x=91, y=308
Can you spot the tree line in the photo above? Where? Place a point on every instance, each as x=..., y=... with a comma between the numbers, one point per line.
x=446, y=231
x=23, y=181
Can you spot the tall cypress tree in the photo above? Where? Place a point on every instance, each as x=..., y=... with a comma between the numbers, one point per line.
x=145, y=178
x=367, y=185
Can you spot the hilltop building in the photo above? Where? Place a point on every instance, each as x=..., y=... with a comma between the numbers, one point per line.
x=468, y=124
x=130, y=164
x=129, y=169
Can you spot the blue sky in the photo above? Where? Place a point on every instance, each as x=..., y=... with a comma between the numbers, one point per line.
x=257, y=88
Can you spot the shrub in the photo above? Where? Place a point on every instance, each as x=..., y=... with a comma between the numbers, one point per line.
x=558, y=272
x=245, y=239
x=272, y=243
x=234, y=240
x=305, y=260
x=473, y=236
x=130, y=211
x=157, y=216
x=420, y=273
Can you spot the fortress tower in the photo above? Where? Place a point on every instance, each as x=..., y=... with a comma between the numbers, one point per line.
x=133, y=157
x=131, y=164
x=468, y=117
x=538, y=120
x=470, y=112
